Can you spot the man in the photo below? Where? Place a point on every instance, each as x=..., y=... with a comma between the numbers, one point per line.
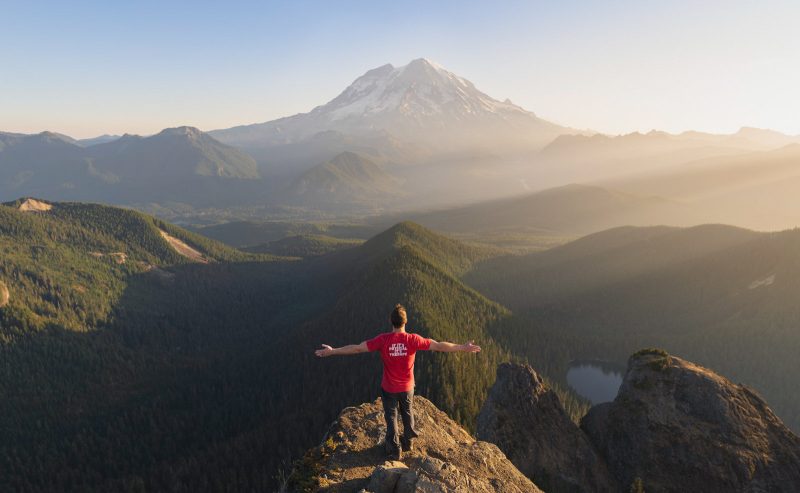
x=398, y=349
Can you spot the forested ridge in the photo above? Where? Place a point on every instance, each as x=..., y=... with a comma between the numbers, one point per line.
x=203, y=377
x=304, y=246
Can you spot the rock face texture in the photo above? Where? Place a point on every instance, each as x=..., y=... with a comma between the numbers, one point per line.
x=681, y=427
x=445, y=458
x=527, y=421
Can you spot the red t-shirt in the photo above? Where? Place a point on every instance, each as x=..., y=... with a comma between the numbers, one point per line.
x=398, y=350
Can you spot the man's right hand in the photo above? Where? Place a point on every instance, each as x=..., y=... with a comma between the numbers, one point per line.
x=325, y=351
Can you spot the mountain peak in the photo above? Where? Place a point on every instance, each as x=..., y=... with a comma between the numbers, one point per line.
x=424, y=61
x=51, y=137
x=446, y=457
x=187, y=131
x=422, y=64
x=419, y=102
x=418, y=90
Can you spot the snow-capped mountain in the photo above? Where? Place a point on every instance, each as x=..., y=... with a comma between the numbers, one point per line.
x=420, y=103
x=419, y=90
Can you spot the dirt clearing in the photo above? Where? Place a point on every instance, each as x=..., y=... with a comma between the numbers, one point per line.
x=182, y=248
x=33, y=205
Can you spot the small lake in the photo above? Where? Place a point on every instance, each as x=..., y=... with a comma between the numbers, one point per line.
x=598, y=382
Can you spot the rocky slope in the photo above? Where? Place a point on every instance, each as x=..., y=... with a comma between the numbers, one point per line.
x=681, y=427
x=525, y=418
x=446, y=458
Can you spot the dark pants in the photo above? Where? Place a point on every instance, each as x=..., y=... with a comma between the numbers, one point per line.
x=405, y=400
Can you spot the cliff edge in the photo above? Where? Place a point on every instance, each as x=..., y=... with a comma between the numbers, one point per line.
x=445, y=458
x=681, y=427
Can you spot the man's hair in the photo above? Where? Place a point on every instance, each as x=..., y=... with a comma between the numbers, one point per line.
x=399, y=317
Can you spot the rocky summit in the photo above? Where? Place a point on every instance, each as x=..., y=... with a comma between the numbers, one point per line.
x=677, y=426
x=445, y=458
x=526, y=419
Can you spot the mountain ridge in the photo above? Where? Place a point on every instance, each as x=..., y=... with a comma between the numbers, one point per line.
x=568, y=209
x=165, y=167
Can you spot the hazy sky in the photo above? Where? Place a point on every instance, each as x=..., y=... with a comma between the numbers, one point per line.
x=86, y=68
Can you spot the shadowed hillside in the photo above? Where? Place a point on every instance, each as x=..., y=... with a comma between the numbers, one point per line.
x=720, y=295
x=349, y=179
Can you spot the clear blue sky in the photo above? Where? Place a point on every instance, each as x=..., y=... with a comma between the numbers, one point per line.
x=86, y=68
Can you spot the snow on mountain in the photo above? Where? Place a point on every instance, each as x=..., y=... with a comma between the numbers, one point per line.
x=420, y=102
x=419, y=88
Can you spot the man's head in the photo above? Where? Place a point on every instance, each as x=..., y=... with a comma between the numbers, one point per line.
x=399, y=317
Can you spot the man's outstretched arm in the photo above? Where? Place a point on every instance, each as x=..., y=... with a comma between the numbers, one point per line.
x=449, y=347
x=341, y=351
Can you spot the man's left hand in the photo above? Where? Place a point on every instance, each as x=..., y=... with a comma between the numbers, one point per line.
x=470, y=347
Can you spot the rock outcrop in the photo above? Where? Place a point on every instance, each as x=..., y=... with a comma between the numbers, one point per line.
x=680, y=427
x=445, y=458
x=527, y=421
x=673, y=427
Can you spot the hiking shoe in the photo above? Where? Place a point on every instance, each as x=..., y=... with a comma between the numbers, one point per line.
x=408, y=446
x=394, y=455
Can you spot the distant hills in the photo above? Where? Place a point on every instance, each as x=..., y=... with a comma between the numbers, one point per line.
x=252, y=233
x=422, y=129
x=569, y=210
x=755, y=189
x=176, y=165
x=603, y=158
x=348, y=178
x=101, y=139
x=304, y=246
x=171, y=154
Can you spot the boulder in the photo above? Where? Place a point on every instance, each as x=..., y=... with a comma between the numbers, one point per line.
x=677, y=426
x=385, y=477
x=526, y=420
